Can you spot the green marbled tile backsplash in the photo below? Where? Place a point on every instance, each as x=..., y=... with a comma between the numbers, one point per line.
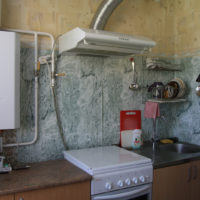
x=90, y=98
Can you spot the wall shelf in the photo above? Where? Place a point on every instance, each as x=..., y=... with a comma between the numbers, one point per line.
x=159, y=68
x=159, y=65
x=167, y=101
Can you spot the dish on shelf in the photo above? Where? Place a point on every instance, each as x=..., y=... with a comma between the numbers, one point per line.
x=179, y=86
x=171, y=90
x=174, y=89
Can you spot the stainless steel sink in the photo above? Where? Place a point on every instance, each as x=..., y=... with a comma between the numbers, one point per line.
x=180, y=148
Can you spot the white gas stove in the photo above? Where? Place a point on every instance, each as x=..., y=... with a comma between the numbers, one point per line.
x=114, y=169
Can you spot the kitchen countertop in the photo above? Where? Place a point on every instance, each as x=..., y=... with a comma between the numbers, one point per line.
x=61, y=172
x=163, y=158
x=41, y=175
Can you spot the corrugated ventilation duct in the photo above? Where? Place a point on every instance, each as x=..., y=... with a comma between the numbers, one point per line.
x=103, y=13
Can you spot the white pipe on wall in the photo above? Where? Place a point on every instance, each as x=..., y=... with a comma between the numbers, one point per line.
x=36, y=34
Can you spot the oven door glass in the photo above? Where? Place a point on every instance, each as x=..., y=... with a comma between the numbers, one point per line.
x=142, y=192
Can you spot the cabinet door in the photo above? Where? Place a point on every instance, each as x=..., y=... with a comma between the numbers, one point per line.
x=171, y=183
x=78, y=191
x=195, y=181
x=7, y=197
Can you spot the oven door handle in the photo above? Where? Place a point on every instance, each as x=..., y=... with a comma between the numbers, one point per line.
x=122, y=195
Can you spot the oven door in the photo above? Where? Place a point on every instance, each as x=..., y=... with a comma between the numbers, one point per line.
x=142, y=192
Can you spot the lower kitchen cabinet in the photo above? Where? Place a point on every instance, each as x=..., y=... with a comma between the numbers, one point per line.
x=170, y=183
x=195, y=180
x=177, y=182
x=77, y=191
x=7, y=197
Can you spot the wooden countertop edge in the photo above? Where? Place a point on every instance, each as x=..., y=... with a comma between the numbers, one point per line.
x=76, y=175
x=10, y=192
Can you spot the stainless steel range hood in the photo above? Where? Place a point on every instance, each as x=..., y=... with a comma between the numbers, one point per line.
x=82, y=41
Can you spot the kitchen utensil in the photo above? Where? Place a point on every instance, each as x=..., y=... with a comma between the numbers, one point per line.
x=133, y=85
x=129, y=120
x=157, y=90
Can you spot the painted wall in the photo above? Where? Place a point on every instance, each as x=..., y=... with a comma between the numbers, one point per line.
x=173, y=24
x=140, y=17
x=187, y=29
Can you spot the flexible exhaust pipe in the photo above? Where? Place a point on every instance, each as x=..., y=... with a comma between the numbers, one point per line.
x=103, y=13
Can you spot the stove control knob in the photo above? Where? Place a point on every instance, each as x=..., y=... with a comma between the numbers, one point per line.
x=128, y=181
x=135, y=180
x=147, y=178
x=120, y=183
x=108, y=186
x=142, y=179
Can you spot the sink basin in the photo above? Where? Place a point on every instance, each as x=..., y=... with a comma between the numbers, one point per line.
x=180, y=148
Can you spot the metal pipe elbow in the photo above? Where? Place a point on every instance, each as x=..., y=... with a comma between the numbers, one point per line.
x=103, y=13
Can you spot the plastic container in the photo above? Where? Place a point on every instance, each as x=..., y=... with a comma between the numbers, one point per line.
x=137, y=139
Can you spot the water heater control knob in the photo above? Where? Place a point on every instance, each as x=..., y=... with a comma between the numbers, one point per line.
x=135, y=180
x=128, y=181
x=142, y=179
x=120, y=183
x=108, y=186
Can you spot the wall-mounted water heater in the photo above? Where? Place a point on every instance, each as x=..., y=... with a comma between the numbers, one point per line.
x=9, y=80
